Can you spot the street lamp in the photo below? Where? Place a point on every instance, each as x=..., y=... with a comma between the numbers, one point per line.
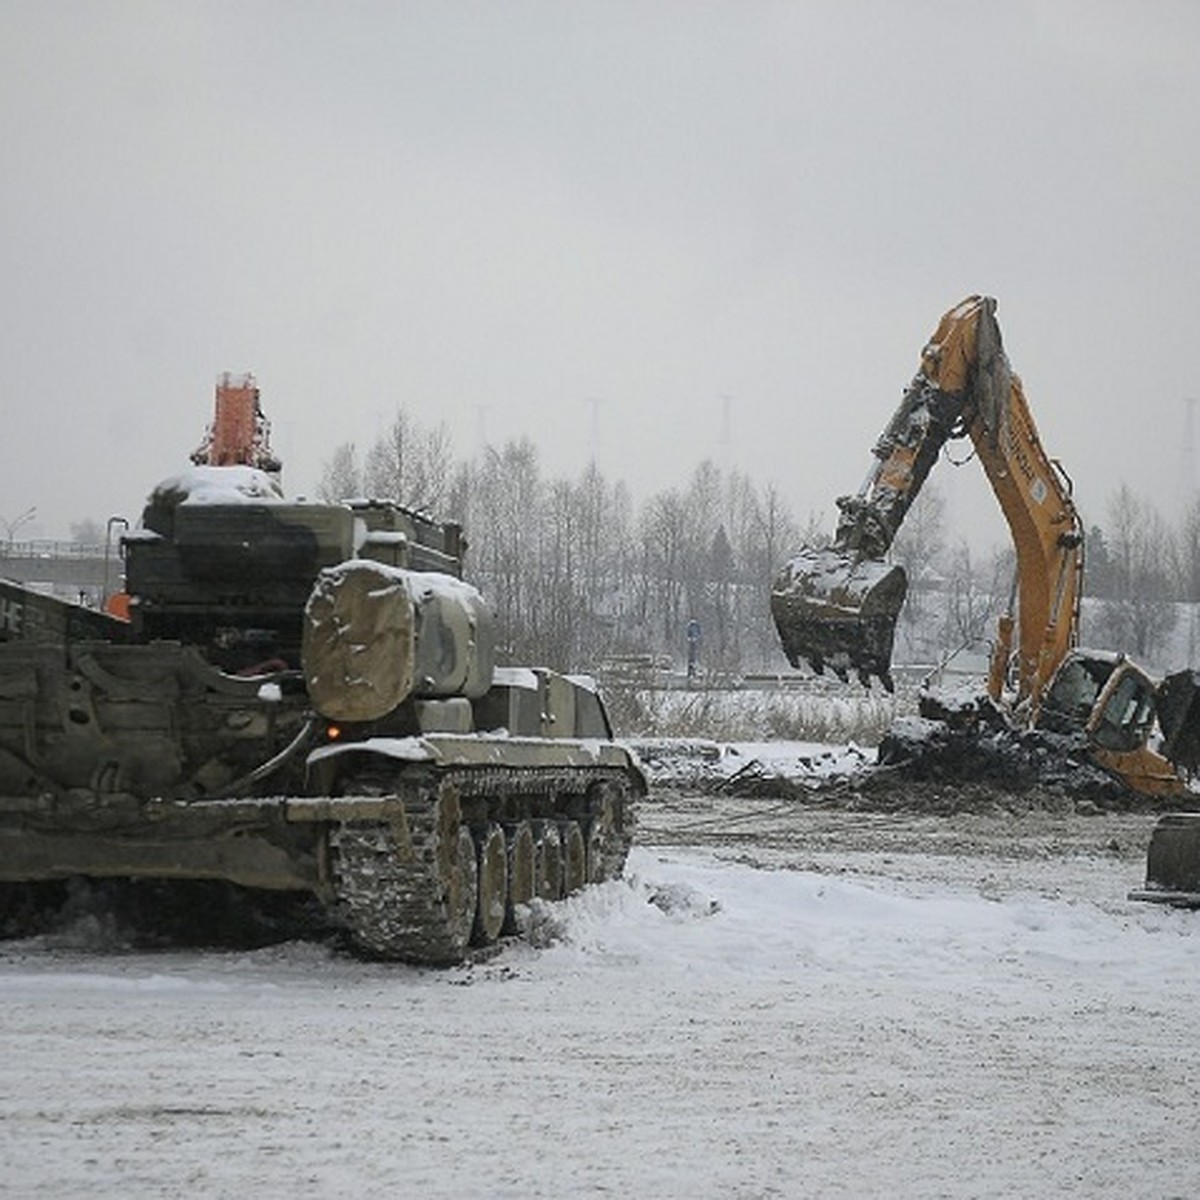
x=11, y=527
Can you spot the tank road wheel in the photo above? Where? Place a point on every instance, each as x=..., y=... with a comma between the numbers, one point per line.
x=458, y=871
x=574, y=857
x=493, y=885
x=548, y=869
x=609, y=831
x=462, y=891
x=521, y=868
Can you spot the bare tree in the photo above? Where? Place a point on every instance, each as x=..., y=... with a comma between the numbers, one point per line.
x=921, y=541
x=1189, y=552
x=772, y=536
x=341, y=478
x=410, y=464
x=551, y=585
x=600, y=528
x=920, y=547
x=1188, y=566
x=703, y=504
x=87, y=532
x=721, y=569
x=664, y=532
x=507, y=512
x=974, y=597
x=1139, y=613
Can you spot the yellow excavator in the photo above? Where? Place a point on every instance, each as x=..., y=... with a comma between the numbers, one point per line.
x=836, y=606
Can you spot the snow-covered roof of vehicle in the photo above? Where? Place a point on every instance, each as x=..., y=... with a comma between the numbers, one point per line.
x=219, y=485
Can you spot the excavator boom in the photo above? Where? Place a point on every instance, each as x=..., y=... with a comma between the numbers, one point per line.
x=837, y=606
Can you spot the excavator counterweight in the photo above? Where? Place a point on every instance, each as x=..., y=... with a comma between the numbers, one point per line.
x=1173, y=862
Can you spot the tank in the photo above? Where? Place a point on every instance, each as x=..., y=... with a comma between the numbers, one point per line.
x=304, y=705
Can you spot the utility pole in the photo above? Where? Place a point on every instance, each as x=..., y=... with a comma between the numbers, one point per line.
x=1187, y=494
x=1187, y=465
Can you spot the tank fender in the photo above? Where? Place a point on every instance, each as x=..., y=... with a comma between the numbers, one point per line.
x=326, y=763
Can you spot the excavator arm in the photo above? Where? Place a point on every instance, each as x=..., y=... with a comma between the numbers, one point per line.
x=837, y=606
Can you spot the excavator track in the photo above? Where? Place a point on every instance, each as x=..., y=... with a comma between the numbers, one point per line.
x=462, y=850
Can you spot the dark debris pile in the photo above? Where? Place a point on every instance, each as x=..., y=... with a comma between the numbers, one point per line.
x=928, y=767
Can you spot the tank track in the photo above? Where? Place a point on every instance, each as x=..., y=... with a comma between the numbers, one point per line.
x=405, y=887
x=463, y=850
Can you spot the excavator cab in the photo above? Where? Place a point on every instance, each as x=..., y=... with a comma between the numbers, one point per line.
x=1104, y=695
x=1119, y=710
x=1124, y=715
x=1070, y=700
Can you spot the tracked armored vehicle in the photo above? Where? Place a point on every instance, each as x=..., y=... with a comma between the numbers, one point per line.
x=303, y=704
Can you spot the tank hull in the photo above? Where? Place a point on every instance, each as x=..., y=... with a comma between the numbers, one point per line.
x=144, y=762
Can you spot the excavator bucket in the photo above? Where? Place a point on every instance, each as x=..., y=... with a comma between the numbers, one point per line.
x=834, y=609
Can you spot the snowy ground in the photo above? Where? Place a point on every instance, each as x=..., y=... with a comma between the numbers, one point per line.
x=777, y=1001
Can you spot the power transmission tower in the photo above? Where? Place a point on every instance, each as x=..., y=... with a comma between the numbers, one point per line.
x=1187, y=467
x=595, y=403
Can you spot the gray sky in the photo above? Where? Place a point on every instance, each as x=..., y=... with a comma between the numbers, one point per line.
x=495, y=213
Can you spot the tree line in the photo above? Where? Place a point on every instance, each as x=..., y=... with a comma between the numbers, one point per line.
x=1141, y=580
x=580, y=575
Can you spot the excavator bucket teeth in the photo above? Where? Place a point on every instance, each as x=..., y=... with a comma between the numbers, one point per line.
x=1173, y=862
x=1177, y=703
x=833, y=609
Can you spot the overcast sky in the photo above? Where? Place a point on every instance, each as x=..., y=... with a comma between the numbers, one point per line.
x=654, y=231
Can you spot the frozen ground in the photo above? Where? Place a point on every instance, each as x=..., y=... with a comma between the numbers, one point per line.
x=777, y=1001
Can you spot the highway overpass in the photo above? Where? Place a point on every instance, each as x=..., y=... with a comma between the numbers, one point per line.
x=68, y=569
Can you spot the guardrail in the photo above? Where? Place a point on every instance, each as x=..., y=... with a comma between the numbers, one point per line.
x=72, y=569
x=47, y=548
